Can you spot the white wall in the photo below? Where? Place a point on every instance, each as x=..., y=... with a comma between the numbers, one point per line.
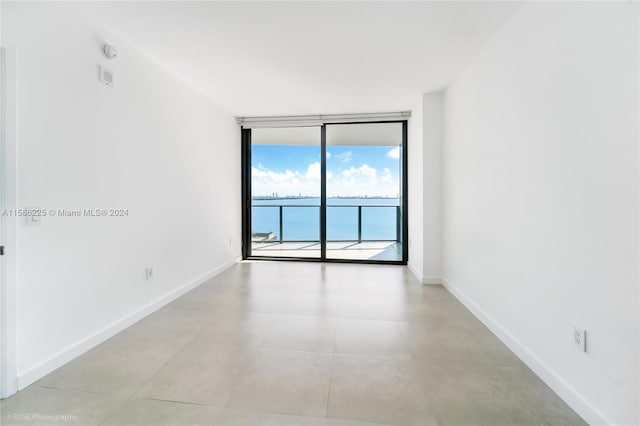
x=541, y=197
x=432, y=186
x=150, y=145
x=425, y=188
x=415, y=181
x=8, y=368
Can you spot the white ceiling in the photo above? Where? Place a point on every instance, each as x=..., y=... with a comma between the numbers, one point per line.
x=268, y=58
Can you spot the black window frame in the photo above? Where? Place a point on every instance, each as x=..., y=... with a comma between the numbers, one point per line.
x=246, y=200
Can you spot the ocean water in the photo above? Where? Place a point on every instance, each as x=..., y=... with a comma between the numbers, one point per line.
x=301, y=218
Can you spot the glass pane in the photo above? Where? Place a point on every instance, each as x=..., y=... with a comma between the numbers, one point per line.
x=265, y=224
x=364, y=173
x=379, y=223
x=342, y=223
x=301, y=223
x=285, y=187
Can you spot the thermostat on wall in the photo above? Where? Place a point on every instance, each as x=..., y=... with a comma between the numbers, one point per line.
x=106, y=76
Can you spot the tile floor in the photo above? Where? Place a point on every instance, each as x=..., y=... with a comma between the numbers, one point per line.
x=295, y=344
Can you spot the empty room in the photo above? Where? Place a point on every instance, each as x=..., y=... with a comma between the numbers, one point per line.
x=331, y=213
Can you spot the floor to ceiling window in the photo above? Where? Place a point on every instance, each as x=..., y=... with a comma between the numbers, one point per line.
x=331, y=192
x=364, y=215
x=285, y=192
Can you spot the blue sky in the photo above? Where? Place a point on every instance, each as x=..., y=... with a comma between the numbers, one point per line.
x=351, y=170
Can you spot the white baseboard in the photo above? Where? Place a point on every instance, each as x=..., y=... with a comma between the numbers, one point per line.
x=564, y=390
x=422, y=279
x=411, y=267
x=72, y=352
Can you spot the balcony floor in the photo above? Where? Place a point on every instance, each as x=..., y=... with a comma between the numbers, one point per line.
x=366, y=250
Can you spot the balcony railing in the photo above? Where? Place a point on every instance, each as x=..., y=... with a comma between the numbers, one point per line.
x=268, y=235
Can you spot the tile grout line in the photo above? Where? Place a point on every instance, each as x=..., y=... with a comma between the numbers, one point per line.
x=333, y=355
x=149, y=379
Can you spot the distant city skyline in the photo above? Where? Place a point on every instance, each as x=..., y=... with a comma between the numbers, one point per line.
x=352, y=171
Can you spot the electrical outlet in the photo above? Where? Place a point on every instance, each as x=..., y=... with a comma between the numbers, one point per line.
x=33, y=217
x=580, y=339
x=148, y=273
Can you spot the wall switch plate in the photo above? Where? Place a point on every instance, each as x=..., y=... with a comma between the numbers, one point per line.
x=580, y=339
x=106, y=76
x=33, y=219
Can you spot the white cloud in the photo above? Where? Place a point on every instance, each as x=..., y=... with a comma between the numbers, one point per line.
x=362, y=180
x=313, y=171
x=328, y=155
x=394, y=153
x=362, y=171
x=386, y=175
x=267, y=182
x=345, y=156
x=271, y=175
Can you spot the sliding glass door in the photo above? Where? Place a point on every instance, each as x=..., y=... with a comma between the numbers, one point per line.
x=285, y=192
x=364, y=215
x=335, y=192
